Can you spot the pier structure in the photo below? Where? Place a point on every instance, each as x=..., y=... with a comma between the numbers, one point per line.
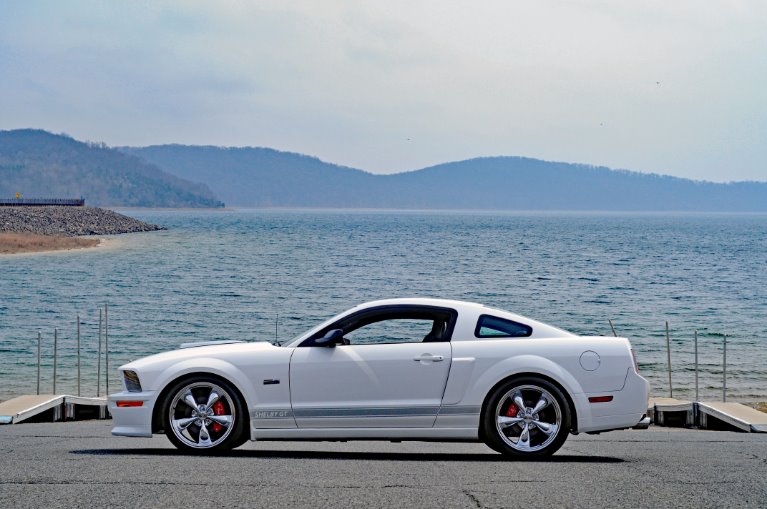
x=52, y=408
x=706, y=415
x=42, y=202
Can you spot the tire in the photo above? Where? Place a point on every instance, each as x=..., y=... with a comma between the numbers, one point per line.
x=526, y=418
x=197, y=420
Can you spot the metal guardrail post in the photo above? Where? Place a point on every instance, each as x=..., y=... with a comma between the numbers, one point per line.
x=98, y=363
x=724, y=370
x=78, y=355
x=55, y=356
x=696, y=367
x=106, y=348
x=668, y=353
x=39, y=340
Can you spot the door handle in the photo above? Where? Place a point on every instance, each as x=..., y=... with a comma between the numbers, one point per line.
x=429, y=357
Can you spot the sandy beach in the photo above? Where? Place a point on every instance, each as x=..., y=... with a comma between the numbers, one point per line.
x=17, y=243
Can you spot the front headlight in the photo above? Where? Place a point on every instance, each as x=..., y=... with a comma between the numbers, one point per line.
x=131, y=381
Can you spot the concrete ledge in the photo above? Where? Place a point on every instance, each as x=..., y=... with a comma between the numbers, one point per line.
x=734, y=414
x=672, y=412
x=64, y=407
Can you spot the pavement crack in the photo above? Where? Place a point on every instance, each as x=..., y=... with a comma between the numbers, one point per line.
x=474, y=499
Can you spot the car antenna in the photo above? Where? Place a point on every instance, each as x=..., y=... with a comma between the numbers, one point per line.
x=276, y=321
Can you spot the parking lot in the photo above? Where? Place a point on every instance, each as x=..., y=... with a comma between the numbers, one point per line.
x=81, y=464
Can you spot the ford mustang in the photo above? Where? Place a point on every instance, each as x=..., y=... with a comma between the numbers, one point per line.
x=398, y=369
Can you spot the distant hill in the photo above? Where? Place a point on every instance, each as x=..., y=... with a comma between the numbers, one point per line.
x=40, y=164
x=260, y=177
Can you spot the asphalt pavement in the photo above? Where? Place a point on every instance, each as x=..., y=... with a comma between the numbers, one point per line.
x=81, y=464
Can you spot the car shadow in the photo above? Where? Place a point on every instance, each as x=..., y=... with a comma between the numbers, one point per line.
x=349, y=456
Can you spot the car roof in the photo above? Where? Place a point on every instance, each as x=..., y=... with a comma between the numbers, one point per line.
x=422, y=301
x=541, y=329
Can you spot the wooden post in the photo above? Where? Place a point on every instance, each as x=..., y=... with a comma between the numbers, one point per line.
x=55, y=356
x=39, y=339
x=613, y=328
x=98, y=363
x=668, y=354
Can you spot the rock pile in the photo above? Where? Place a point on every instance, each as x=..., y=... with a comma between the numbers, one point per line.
x=69, y=221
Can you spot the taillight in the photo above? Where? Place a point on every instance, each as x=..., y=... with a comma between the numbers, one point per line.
x=634, y=358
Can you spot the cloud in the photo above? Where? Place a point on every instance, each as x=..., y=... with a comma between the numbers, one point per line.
x=386, y=86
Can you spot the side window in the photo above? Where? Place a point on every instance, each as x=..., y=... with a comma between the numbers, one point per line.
x=390, y=325
x=395, y=330
x=494, y=327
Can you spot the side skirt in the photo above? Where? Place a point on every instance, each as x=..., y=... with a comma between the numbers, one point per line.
x=396, y=434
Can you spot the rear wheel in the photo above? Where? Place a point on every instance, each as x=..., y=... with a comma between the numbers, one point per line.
x=526, y=418
x=204, y=414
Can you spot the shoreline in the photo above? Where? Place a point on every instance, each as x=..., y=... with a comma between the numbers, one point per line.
x=21, y=243
x=14, y=244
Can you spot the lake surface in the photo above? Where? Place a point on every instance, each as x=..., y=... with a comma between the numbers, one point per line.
x=231, y=274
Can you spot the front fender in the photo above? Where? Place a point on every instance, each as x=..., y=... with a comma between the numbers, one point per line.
x=208, y=365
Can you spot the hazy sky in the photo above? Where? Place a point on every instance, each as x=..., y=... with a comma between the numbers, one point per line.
x=676, y=87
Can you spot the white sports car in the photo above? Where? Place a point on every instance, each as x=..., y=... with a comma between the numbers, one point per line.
x=400, y=369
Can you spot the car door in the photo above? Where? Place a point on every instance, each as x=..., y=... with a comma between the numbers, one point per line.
x=389, y=371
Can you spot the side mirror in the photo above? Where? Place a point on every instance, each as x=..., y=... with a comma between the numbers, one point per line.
x=331, y=338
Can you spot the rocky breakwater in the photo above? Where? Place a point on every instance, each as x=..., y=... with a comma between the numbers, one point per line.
x=69, y=221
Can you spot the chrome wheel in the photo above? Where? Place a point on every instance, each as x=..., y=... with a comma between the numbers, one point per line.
x=202, y=415
x=528, y=418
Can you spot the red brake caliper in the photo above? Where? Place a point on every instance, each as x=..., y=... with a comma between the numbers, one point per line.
x=512, y=411
x=218, y=409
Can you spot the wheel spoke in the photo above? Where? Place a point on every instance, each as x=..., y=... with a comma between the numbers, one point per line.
x=517, y=399
x=204, y=438
x=182, y=424
x=548, y=429
x=543, y=402
x=189, y=400
x=223, y=420
x=212, y=398
x=524, y=438
x=505, y=421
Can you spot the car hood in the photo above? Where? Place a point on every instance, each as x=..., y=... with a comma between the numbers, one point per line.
x=216, y=351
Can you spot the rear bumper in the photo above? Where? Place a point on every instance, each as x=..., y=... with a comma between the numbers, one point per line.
x=132, y=421
x=627, y=409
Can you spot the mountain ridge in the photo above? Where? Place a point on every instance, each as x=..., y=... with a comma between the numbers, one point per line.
x=38, y=163
x=266, y=177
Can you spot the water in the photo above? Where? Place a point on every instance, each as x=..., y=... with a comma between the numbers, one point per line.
x=229, y=274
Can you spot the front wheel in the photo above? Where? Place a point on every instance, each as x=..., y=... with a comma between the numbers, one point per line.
x=526, y=418
x=204, y=414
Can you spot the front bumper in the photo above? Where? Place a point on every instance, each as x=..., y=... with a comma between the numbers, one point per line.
x=132, y=421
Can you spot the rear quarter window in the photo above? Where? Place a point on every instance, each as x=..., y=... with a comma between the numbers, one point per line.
x=490, y=327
